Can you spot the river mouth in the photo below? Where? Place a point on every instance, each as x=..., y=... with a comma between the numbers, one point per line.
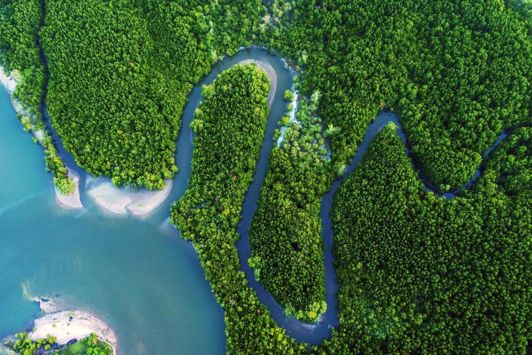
x=310, y=333
x=92, y=249
x=102, y=262
x=103, y=265
x=184, y=143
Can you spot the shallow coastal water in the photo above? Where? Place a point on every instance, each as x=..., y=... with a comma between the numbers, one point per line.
x=141, y=279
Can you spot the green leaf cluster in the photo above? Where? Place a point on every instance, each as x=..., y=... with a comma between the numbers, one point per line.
x=19, y=53
x=24, y=345
x=91, y=345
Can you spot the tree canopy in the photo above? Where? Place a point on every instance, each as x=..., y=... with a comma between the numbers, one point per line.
x=417, y=273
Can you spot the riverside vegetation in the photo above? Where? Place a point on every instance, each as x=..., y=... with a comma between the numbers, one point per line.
x=232, y=118
x=456, y=72
x=153, y=52
x=426, y=274
x=20, y=54
x=285, y=239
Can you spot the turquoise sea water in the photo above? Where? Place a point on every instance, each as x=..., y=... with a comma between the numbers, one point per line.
x=143, y=280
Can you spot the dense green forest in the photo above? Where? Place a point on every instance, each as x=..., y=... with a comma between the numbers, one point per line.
x=152, y=52
x=19, y=24
x=229, y=129
x=457, y=72
x=285, y=236
x=456, y=80
x=421, y=274
x=417, y=273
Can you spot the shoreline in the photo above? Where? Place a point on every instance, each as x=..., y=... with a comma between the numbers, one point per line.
x=77, y=325
x=10, y=82
x=125, y=201
x=65, y=324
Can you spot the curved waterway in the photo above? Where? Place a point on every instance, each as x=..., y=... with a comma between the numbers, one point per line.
x=316, y=332
x=137, y=274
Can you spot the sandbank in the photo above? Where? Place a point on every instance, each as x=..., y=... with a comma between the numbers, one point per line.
x=9, y=82
x=64, y=324
x=69, y=325
x=126, y=201
x=72, y=201
x=39, y=135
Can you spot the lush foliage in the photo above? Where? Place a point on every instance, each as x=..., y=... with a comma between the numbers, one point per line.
x=24, y=345
x=229, y=129
x=417, y=273
x=285, y=236
x=512, y=164
x=422, y=274
x=91, y=345
x=120, y=73
x=88, y=346
x=19, y=25
x=458, y=73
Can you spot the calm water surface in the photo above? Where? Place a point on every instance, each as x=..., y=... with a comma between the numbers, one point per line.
x=143, y=280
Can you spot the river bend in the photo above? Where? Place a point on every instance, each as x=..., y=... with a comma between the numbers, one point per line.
x=310, y=333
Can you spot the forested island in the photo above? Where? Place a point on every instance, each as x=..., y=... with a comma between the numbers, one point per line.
x=416, y=270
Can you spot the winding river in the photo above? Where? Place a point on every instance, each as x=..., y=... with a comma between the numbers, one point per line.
x=109, y=266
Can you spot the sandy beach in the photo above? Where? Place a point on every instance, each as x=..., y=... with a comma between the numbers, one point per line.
x=68, y=325
x=126, y=201
x=65, y=324
x=9, y=82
